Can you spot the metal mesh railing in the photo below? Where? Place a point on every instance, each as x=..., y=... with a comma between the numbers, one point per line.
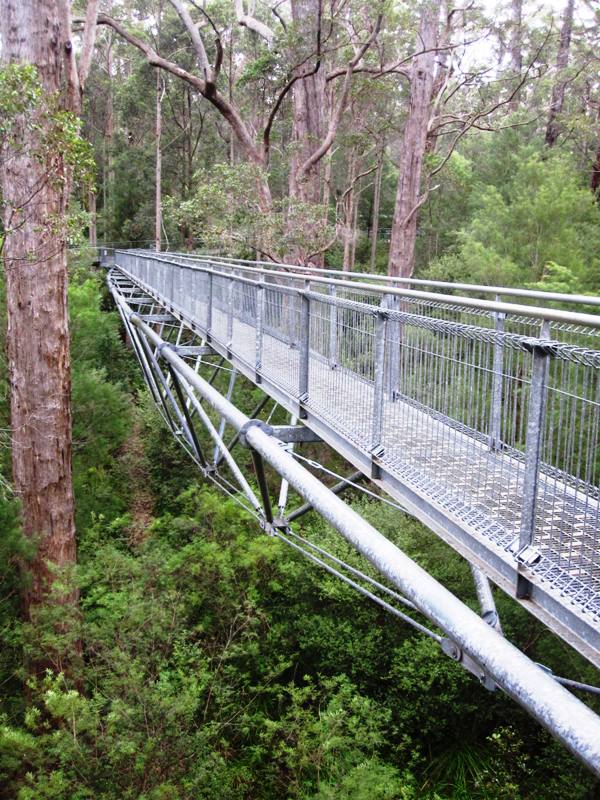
x=494, y=415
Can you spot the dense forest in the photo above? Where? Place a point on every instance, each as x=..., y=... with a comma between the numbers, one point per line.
x=155, y=644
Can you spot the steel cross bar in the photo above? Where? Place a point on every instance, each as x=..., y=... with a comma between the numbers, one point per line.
x=573, y=723
x=339, y=487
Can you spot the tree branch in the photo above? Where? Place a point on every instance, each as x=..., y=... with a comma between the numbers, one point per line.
x=227, y=110
x=253, y=24
x=194, y=35
x=334, y=122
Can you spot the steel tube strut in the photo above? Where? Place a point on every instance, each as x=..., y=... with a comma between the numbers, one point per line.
x=565, y=716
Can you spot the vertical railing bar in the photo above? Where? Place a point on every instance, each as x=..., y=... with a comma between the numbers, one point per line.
x=209, y=307
x=333, y=329
x=533, y=445
x=259, y=330
x=229, y=336
x=379, y=381
x=304, y=354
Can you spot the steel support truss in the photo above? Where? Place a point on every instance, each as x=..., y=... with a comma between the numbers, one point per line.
x=171, y=352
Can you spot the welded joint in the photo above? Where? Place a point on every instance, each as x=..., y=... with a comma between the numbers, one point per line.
x=492, y=618
x=164, y=346
x=453, y=651
x=253, y=423
x=280, y=523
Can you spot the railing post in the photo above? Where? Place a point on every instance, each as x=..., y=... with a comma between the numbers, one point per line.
x=526, y=554
x=393, y=334
x=497, y=380
x=333, y=329
x=209, y=305
x=260, y=300
x=378, y=388
x=304, y=354
x=229, y=316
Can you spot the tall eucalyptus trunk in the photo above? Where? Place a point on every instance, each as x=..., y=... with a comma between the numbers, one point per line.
x=158, y=169
x=308, y=124
x=414, y=144
x=35, y=187
x=560, y=81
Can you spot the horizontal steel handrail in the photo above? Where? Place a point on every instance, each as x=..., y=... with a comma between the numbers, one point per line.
x=509, y=291
x=494, y=307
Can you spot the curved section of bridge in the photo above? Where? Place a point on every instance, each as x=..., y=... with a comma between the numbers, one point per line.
x=480, y=417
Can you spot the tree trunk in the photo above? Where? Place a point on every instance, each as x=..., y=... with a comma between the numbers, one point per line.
x=308, y=103
x=158, y=176
x=354, y=232
x=348, y=212
x=516, y=45
x=109, y=172
x=404, y=225
x=560, y=83
x=376, y=208
x=36, y=192
x=93, y=235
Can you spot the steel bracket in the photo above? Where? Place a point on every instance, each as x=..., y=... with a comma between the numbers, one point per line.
x=540, y=347
x=295, y=433
x=453, y=651
x=376, y=453
x=528, y=555
x=156, y=317
x=190, y=350
x=253, y=423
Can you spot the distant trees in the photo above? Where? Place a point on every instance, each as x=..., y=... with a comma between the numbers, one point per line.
x=297, y=98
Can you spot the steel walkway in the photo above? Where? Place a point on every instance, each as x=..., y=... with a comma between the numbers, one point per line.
x=481, y=418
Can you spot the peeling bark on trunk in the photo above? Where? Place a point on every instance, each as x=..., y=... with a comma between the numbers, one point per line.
x=558, y=89
x=36, y=193
x=404, y=225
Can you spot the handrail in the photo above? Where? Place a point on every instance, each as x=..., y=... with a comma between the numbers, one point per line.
x=509, y=291
x=535, y=312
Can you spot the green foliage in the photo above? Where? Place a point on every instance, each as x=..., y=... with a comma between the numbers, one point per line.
x=20, y=92
x=526, y=213
x=226, y=212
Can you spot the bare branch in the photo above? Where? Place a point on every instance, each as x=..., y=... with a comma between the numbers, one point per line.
x=226, y=108
x=334, y=122
x=470, y=123
x=194, y=35
x=253, y=24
